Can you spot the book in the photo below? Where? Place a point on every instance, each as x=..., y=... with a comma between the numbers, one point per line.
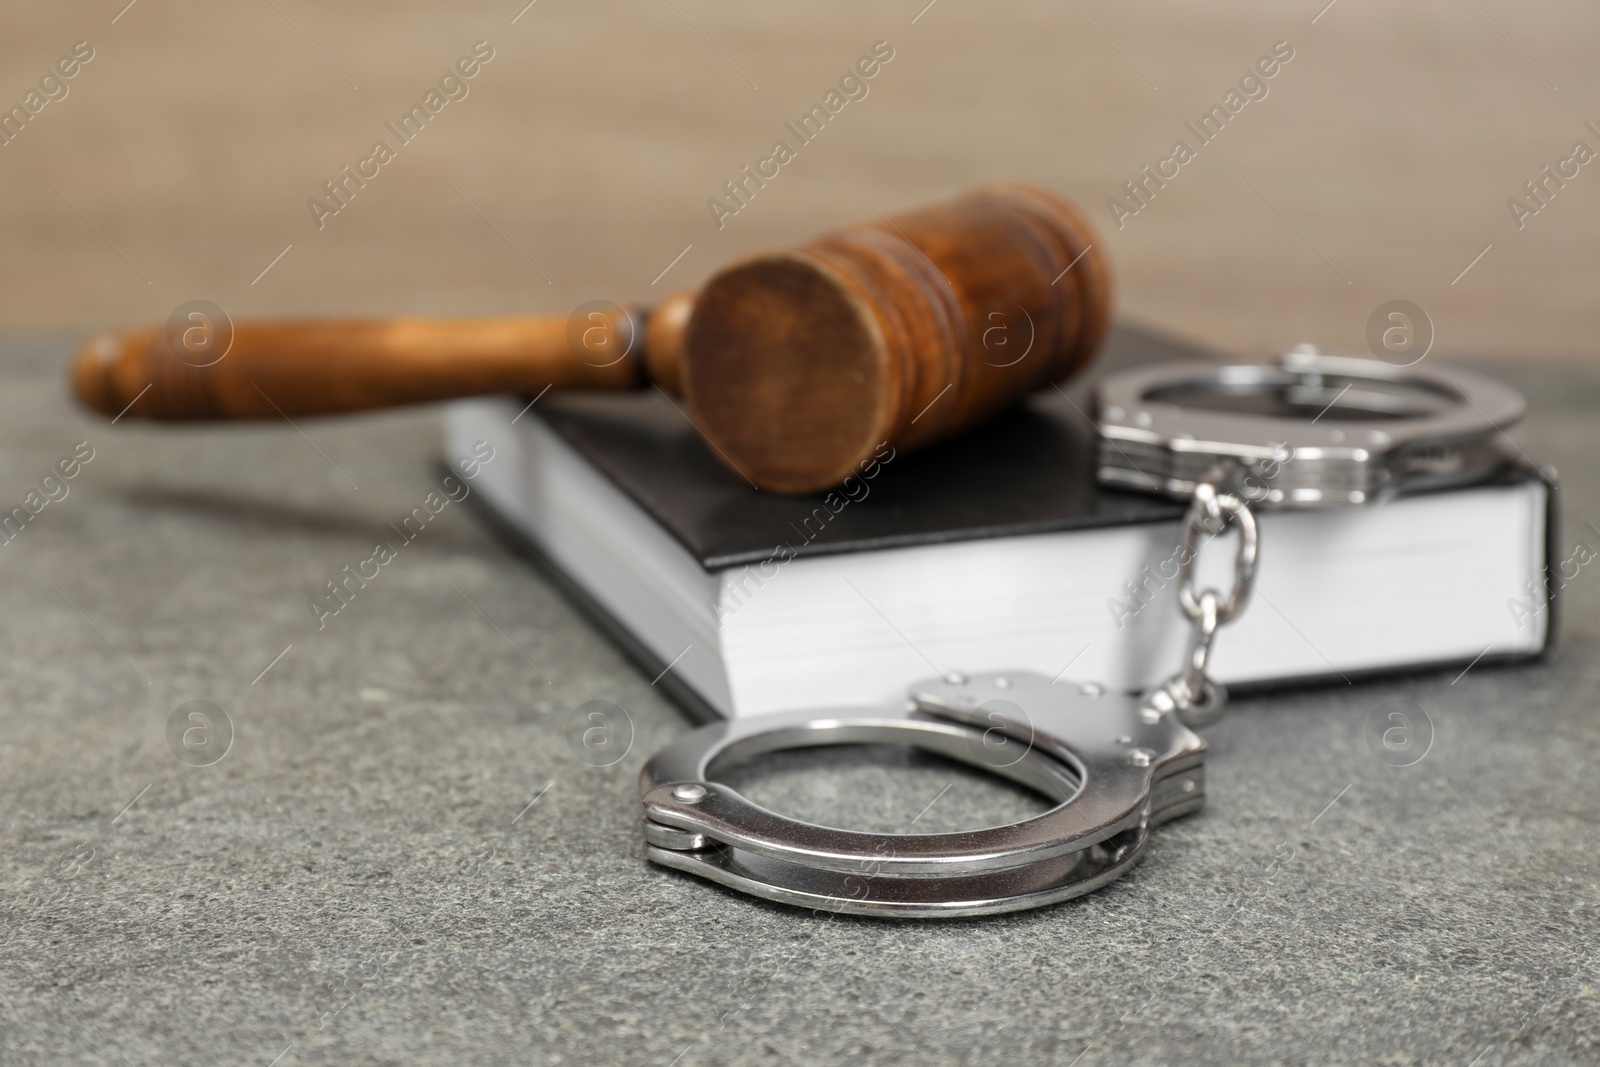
x=993, y=551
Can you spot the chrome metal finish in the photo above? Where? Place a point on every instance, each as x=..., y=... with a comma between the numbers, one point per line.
x=1212, y=511
x=1116, y=767
x=1192, y=679
x=1191, y=694
x=1313, y=431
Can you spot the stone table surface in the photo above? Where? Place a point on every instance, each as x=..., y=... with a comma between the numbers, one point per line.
x=401, y=861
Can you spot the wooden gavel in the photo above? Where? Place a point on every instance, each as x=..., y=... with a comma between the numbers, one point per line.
x=797, y=364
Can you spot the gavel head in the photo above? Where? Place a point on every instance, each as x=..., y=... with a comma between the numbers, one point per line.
x=800, y=365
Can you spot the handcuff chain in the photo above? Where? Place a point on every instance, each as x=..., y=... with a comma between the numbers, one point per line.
x=1195, y=698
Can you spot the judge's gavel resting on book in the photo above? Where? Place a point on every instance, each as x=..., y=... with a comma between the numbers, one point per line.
x=797, y=365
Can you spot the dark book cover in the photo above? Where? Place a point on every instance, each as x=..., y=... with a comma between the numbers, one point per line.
x=1028, y=470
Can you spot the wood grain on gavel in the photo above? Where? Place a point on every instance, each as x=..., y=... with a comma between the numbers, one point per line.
x=797, y=364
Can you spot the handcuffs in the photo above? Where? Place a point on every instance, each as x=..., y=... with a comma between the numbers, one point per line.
x=1313, y=431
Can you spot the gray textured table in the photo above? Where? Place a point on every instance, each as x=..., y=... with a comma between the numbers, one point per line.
x=368, y=877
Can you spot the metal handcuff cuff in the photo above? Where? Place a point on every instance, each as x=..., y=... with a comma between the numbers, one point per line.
x=1313, y=431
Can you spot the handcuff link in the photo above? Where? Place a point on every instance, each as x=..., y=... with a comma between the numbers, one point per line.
x=1216, y=506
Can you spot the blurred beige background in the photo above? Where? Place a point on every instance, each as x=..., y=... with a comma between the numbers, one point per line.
x=1378, y=167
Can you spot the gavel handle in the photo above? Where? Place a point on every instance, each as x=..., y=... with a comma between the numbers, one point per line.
x=276, y=369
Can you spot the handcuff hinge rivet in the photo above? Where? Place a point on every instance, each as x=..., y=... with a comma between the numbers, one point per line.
x=1141, y=757
x=689, y=792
